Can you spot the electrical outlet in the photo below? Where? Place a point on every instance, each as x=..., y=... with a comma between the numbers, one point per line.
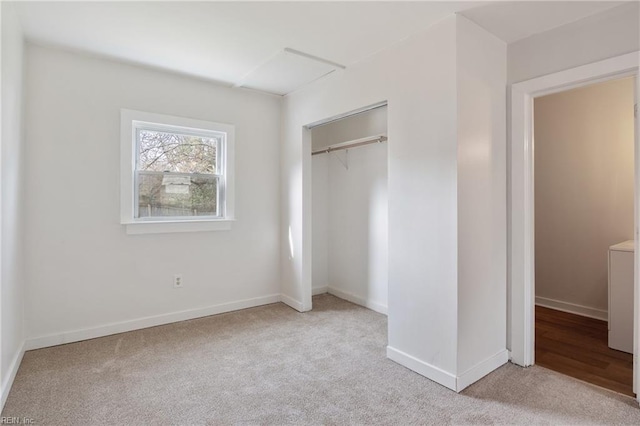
x=177, y=281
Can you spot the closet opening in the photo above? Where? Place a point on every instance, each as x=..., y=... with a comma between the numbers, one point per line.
x=349, y=208
x=584, y=230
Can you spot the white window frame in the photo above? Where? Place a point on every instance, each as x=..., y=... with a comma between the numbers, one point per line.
x=130, y=122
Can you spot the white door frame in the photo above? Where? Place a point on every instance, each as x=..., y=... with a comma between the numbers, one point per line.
x=521, y=203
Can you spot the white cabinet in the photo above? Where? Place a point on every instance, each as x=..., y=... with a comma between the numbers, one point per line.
x=621, y=296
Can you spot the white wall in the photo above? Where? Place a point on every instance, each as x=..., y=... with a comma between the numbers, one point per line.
x=584, y=174
x=482, y=198
x=12, y=201
x=83, y=270
x=422, y=184
x=418, y=79
x=605, y=35
x=358, y=226
x=350, y=211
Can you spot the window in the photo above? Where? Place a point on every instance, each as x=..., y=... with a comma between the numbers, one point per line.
x=176, y=173
x=179, y=172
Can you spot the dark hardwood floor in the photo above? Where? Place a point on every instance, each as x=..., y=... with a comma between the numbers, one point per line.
x=577, y=346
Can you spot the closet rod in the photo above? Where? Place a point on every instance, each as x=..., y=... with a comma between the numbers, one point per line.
x=338, y=147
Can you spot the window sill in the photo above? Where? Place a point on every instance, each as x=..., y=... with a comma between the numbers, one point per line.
x=166, y=226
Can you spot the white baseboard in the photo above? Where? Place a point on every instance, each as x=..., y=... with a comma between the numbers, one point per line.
x=572, y=308
x=429, y=371
x=358, y=300
x=290, y=301
x=481, y=369
x=319, y=290
x=124, y=326
x=11, y=375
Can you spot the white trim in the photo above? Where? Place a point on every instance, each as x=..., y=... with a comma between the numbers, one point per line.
x=291, y=302
x=153, y=227
x=572, y=308
x=429, y=371
x=7, y=383
x=128, y=120
x=306, y=277
x=521, y=230
x=374, y=306
x=140, y=323
x=585, y=75
x=636, y=263
x=346, y=115
x=481, y=369
x=319, y=290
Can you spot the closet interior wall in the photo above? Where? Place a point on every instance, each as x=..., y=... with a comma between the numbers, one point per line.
x=350, y=211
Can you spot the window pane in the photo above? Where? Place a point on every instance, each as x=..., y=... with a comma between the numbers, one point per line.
x=168, y=194
x=173, y=152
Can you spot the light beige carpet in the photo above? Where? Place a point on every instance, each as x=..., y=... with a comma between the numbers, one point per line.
x=272, y=365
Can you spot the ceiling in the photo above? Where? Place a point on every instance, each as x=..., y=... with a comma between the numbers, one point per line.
x=240, y=43
x=514, y=20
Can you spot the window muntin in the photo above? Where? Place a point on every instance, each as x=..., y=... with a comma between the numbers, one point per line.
x=179, y=173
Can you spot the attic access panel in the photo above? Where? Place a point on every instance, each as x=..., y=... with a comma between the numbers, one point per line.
x=287, y=71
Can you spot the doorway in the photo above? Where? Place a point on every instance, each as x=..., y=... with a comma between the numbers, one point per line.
x=350, y=209
x=584, y=221
x=522, y=207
